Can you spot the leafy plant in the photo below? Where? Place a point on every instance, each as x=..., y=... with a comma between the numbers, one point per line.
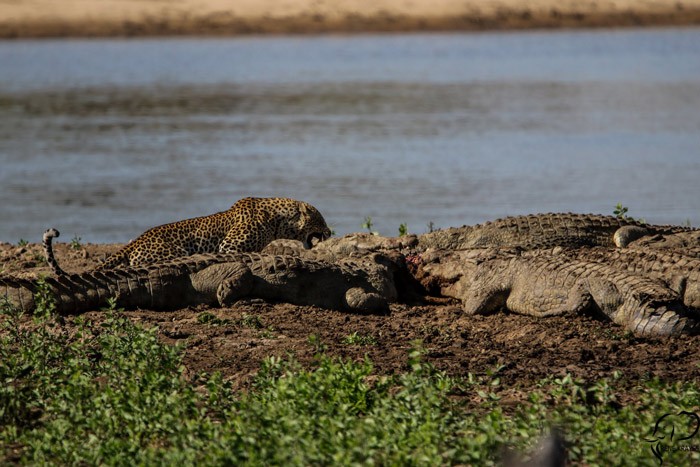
x=359, y=339
x=367, y=224
x=209, y=318
x=22, y=242
x=620, y=212
x=252, y=321
x=44, y=300
x=75, y=243
x=39, y=258
x=403, y=230
x=317, y=344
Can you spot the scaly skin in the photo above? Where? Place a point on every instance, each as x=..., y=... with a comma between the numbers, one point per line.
x=676, y=269
x=543, y=284
x=538, y=231
x=687, y=242
x=216, y=279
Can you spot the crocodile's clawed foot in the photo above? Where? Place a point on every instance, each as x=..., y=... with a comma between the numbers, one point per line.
x=361, y=301
x=235, y=287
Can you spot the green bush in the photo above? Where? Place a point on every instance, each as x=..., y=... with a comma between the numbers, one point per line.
x=112, y=393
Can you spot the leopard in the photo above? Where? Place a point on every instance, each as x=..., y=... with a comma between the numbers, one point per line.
x=247, y=226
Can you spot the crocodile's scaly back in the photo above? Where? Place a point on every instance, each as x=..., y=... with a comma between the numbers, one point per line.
x=537, y=231
x=678, y=270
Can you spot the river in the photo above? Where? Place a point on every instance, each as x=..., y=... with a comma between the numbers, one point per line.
x=103, y=139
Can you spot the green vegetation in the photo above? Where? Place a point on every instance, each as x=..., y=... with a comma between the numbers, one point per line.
x=252, y=321
x=39, y=258
x=22, y=242
x=359, y=339
x=75, y=243
x=403, y=230
x=367, y=224
x=248, y=321
x=620, y=212
x=112, y=393
x=209, y=318
x=317, y=344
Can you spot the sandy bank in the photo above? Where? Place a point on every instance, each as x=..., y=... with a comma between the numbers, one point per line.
x=81, y=18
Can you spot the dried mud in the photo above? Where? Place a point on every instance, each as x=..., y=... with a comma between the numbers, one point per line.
x=526, y=349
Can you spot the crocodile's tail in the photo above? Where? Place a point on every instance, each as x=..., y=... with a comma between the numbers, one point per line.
x=48, y=251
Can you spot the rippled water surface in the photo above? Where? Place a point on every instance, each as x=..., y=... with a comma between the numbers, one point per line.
x=103, y=139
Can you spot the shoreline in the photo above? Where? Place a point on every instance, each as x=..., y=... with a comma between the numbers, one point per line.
x=126, y=18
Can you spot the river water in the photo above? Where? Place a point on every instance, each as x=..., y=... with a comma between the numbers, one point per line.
x=105, y=138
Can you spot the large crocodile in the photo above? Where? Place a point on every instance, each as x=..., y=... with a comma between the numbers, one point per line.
x=363, y=286
x=545, y=231
x=542, y=284
x=531, y=232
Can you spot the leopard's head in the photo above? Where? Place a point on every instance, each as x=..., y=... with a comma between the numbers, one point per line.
x=311, y=226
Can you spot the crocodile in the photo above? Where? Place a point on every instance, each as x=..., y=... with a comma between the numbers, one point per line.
x=362, y=286
x=542, y=284
x=679, y=271
x=539, y=231
x=529, y=232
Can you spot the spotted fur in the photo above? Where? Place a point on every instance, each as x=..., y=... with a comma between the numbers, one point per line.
x=248, y=226
x=48, y=237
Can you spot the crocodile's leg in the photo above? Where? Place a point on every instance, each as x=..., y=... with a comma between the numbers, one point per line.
x=523, y=301
x=550, y=301
x=224, y=283
x=236, y=286
x=484, y=299
x=521, y=290
x=360, y=301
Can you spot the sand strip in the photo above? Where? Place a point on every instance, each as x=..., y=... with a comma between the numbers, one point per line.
x=95, y=18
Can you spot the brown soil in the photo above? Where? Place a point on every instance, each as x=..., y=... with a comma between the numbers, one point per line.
x=528, y=349
x=46, y=18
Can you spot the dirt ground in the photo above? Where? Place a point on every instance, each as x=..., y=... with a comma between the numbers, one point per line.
x=235, y=340
x=88, y=18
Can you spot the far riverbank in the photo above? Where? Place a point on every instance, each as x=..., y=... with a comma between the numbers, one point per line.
x=126, y=18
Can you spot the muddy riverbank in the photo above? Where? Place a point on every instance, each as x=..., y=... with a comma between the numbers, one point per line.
x=523, y=349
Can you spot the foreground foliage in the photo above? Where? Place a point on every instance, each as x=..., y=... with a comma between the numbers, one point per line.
x=111, y=393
